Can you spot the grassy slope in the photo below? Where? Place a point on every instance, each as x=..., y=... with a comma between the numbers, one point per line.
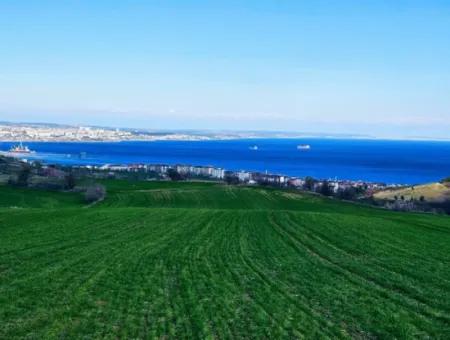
x=433, y=192
x=12, y=197
x=197, y=260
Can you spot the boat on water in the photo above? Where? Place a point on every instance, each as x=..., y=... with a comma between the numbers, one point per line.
x=21, y=149
x=303, y=147
x=253, y=147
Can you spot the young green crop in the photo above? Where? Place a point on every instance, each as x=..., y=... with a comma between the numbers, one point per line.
x=201, y=260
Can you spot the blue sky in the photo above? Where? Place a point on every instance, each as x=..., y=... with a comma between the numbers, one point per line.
x=370, y=67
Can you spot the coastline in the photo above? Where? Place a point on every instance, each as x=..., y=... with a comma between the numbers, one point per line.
x=206, y=139
x=45, y=132
x=391, y=162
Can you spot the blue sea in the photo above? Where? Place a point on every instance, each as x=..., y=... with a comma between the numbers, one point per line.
x=403, y=162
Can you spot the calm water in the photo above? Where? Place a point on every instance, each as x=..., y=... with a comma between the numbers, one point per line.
x=385, y=161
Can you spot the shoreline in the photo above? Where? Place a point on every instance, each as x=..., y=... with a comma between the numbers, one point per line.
x=212, y=139
x=390, y=162
x=133, y=166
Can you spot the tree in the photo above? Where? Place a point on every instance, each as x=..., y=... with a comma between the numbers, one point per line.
x=70, y=181
x=37, y=165
x=174, y=175
x=24, y=175
x=230, y=178
x=347, y=193
x=325, y=189
x=309, y=183
x=95, y=193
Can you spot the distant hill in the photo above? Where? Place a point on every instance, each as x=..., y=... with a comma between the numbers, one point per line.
x=434, y=192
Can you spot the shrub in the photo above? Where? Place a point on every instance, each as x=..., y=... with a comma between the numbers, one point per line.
x=174, y=175
x=309, y=183
x=347, y=194
x=231, y=179
x=95, y=193
x=24, y=175
x=325, y=189
x=70, y=181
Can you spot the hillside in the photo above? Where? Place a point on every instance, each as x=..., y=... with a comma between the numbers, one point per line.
x=433, y=192
x=202, y=260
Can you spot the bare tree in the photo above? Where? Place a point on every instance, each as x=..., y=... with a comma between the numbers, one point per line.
x=70, y=181
x=95, y=193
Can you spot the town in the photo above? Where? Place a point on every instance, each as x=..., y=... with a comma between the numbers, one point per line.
x=68, y=133
x=35, y=174
x=346, y=189
x=42, y=132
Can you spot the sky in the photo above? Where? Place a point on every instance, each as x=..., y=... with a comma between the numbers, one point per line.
x=380, y=68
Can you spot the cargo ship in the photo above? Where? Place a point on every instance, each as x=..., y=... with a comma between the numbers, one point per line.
x=304, y=147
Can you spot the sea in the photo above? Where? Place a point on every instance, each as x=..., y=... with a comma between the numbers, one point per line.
x=386, y=161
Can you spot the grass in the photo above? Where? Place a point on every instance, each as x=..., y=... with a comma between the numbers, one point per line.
x=433, y=192
x=201, y=260
x=16, y=197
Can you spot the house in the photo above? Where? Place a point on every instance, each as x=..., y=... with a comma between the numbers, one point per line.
x=183, y=169
x=244, y=176
x=269, y=179
x=295, y=182
x=159, y=168
x=218, y=173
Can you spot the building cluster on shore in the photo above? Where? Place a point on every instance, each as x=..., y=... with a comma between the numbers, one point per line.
x=63, y=133
x=243, y=177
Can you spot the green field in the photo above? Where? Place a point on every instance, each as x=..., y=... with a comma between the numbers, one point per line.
x=202, y=260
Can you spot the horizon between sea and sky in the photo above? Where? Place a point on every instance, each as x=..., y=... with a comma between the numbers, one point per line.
x=380, y=68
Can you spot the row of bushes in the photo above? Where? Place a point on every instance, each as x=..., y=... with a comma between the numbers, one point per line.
x=26, y=175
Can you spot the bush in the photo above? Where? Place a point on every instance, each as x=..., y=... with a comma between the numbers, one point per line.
x=309, y=183
x=174, y=175
x=95, y=193
x=325, y=189
x=70, y=181
x=231, y=179
x=24, y=175
x=347, y=194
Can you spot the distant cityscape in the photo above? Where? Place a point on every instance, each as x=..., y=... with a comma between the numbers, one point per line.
x=42, y=132
x=56, y=133
x=19, y=133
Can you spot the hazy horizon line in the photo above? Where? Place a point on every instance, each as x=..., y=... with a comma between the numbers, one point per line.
x=273, y=133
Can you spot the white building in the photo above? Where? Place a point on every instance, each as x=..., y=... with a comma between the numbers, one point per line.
x=218, y=173
x=243, y=176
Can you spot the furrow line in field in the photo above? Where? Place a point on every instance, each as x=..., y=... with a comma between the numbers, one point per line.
x=282, y=289
x=202, y=259
x=323, y=239
x=355, y=277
